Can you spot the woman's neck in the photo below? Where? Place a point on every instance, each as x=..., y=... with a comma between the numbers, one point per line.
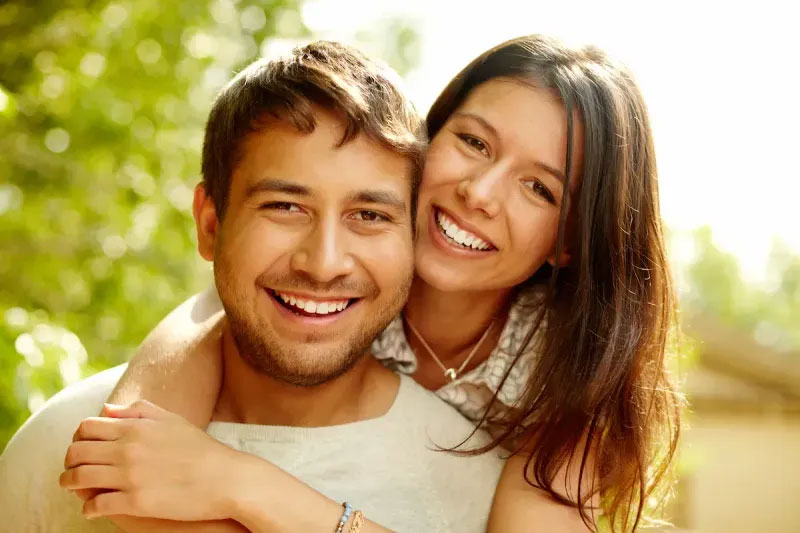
x=453, y=322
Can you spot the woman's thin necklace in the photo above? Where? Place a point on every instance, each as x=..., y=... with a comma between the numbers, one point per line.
x=450, y=373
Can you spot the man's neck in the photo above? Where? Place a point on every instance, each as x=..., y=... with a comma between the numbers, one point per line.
x=248, y=396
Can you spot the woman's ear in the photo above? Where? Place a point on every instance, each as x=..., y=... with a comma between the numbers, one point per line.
x=205, y=218
x=568, y=246
x=561, y=261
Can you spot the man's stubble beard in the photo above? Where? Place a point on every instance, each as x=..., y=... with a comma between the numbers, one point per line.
x=303, y=368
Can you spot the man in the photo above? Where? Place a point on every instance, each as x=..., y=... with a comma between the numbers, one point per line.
x=310, y=169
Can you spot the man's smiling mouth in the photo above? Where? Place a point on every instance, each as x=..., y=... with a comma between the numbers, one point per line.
x=311, y=307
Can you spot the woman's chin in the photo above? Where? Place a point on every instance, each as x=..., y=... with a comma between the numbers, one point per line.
x=442, y=277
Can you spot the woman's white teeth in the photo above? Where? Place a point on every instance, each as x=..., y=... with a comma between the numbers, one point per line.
x=314, y=306
x=458, y=235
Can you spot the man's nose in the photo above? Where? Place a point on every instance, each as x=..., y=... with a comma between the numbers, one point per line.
x=323, y=255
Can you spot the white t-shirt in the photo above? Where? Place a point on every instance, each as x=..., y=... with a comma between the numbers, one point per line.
x=387, y=466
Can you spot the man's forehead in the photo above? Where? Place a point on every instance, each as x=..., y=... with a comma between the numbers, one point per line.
x=281, y=158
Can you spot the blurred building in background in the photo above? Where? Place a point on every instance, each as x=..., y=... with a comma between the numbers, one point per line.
x=102, y=108
x=739, y=455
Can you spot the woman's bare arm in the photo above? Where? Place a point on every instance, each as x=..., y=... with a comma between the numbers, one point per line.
x=518, y=506
x=179, y=364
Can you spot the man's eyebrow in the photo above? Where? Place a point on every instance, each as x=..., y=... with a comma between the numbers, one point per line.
x=277, y=185
x=479, y=119
x=387, y=198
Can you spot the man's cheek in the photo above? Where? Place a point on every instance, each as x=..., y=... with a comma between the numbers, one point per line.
x=391, y=264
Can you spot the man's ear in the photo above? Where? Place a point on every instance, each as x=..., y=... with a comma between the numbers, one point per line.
x=205, y=218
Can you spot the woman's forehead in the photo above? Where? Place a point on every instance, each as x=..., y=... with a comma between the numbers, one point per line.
x=528, y=121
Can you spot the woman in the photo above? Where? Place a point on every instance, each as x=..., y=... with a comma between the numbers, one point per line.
x=542, y=301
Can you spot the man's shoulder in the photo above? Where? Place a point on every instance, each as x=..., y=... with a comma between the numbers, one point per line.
x=442, y=422
x=33, y=459
x=62, y=413
x=440, y=427
x=426, y=405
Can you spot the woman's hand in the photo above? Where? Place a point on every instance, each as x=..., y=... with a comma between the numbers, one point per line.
x=144, y=461
x=148, y=462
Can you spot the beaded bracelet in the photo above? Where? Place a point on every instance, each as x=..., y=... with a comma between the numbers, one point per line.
x=345, y=516
x=358, y=521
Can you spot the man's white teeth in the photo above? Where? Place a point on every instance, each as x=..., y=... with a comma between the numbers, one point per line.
x=314, y=306
x=458, y=235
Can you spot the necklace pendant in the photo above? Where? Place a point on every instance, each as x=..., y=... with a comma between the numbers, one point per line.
x=450, y=373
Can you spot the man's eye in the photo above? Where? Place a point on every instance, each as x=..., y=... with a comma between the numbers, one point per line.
x=369, y=216
x=287, y=207
x=475, y=143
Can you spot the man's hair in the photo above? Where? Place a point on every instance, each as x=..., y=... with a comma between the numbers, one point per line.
x=328, y=74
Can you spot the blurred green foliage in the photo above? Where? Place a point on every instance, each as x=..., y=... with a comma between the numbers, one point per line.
x=769, y=311
x=102, y=108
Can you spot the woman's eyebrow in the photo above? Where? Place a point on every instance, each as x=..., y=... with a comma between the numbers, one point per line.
x=479, y=119
x=486, y=124
x=554, y=171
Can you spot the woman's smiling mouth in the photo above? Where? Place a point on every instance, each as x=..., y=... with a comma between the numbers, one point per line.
x=458, y=236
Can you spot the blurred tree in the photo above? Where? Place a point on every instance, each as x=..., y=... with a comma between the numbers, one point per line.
x=769, y=311
x=102, y=108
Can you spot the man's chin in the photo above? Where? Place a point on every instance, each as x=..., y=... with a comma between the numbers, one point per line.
x=305, y=364
x=309, y=373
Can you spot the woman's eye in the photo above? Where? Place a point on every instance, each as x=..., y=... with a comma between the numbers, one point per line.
x=475, y=143
x=287, y=207
x=538, y=187
x=369, y=216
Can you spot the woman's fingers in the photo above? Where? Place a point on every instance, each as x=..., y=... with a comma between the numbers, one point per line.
x=107, y=504
x=98, y=428
x=91, y=452
x=137, y=409
x=87, y=494
x=91, y=477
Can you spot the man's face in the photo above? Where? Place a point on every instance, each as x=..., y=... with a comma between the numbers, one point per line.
x=314, y=255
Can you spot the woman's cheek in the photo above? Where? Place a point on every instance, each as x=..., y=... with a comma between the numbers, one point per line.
x=533, y=242
x=441, y=166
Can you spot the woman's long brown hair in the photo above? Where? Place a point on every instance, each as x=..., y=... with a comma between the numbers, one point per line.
x=600, y=388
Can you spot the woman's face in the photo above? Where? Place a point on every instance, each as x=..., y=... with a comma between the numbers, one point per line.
x=492, y=188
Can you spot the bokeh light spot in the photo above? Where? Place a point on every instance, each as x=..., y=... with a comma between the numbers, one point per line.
x=93, y=64
x=57, y=140
x=148, y=51
x=253, y=18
